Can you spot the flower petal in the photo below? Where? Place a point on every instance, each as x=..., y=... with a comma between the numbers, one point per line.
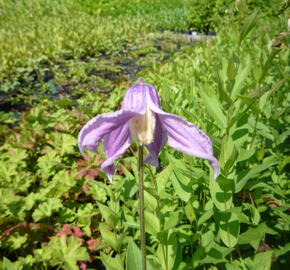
x=136, y=97
x=185, y=136
x=160, y=138
x=99, y=126
x=115, y=144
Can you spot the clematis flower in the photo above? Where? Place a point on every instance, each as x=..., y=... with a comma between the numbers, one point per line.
x=142, y=119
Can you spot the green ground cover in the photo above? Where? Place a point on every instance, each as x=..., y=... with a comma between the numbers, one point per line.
x=63, y=62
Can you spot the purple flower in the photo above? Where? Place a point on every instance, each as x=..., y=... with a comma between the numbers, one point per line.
x=142, y=119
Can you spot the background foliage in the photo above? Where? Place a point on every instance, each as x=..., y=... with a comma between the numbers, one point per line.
x=63, y=62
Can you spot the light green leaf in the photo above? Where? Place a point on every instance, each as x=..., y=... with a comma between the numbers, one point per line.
x=181, y=187
x=108, y=214
x=108, y=236
x=171, y=220
x=47, y=208
x=222, y=193
x=173, y=252
x=214, y=109
x=7, y=264
x=189, y=212
x=248, y=25
x=229, y=228
x=152, y=224
x=133, y=257
x=242, y=75
x=263, y=260
x=112, y=263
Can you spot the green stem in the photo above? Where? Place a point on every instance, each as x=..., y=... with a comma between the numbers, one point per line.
x=158, y=210
x=141, y=200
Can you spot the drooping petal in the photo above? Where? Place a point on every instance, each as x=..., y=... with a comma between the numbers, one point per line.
x=99, y=126
x=160, y=138
x=115, y=144
x=185, y=136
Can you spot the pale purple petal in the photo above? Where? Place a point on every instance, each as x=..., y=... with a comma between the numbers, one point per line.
x=115, y=144
x=135, y=99
x=160, y=138
x=136, y=96
x=99, y=126
x=185, y=136
x=153, y=95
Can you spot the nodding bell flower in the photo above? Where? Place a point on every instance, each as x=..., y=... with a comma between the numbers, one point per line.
x=141, y=119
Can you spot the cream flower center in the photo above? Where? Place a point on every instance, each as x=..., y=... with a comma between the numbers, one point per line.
x=142, y=127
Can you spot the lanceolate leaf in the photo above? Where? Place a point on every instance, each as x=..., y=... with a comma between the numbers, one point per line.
x=214, y=109
x=133, y=257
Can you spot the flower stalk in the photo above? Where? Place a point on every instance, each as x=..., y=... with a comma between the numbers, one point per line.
x=141, y=204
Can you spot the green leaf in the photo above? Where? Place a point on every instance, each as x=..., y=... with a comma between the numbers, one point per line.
x=214, y=109
x=206, y=216
x=223, y=94
x=173, y=252
x=222, y=193
x=242, y=75
x=171, y=220
x=152, y=224
x=163, y=178
x=228, y=154
x=108, y=214
x=133, y=257
x=231, y=70
x=112, y=263
x=229, y=228
x=263, y=260
x=47, y=163
x=248, y=25
x=7, y=264
x=245, y=175
x=189, y=212
x=216, y=255
x=181, y=187
x=109, y=237
x=150, y=201
x=47, y=208
x=268, y=64
x=252, y=236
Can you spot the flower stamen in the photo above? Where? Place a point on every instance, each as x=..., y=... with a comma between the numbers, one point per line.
x=142, y=127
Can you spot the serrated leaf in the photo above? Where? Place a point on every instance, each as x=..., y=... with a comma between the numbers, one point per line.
x=47, y=208
x=112, y=263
